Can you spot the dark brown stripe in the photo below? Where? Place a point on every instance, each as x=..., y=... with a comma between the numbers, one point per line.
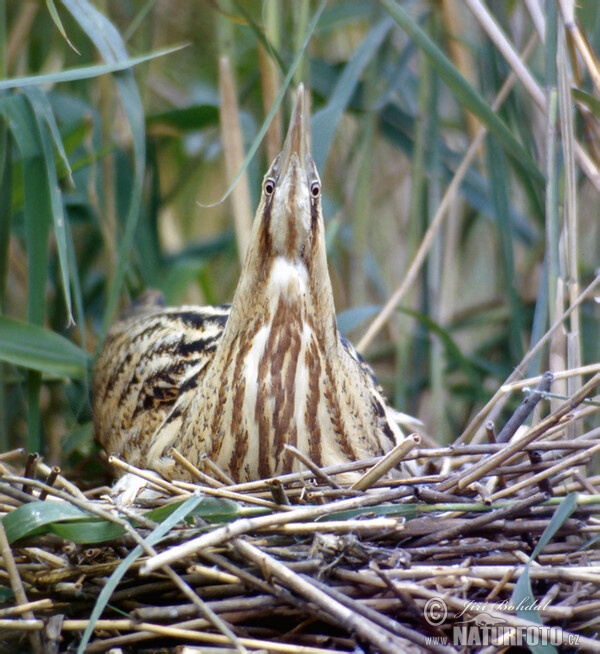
x=313, y=365
x=335, y=413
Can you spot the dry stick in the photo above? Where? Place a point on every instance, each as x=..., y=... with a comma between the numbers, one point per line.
x=473, y=524
x=545, y=474
x=467, y=606
x=12, y=454
x=205, y=611
x=254, y=643
x=389, y=461
x=17, y=587
x=158, y=482
x=244, y=525
x=61, y=482
x=381, y=526
x=31, y=625
x=223, y=492
x=214, y=468
x=461, y=480
x=313, y=467
x=561, y=374
x=15, y=493
x=180, y=611
x=191, y=468
x=497, y=397
x=30, y=467
x=52, y=477
x=382, y=620
x=411, y=274
x=380, y=639
x=278, y=492
x=525, y=409
x=19, y=609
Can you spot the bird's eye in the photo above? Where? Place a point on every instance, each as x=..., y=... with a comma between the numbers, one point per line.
x=315, y=189
x=269, y=186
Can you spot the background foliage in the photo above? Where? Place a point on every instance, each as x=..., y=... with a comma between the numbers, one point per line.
x=105, y=166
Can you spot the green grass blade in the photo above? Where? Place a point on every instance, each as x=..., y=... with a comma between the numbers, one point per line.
x=465, y=93
x=500, y=190
x=179, y=514
x=59, y=26
x=84, y=72
x=110, y=44
x=257, y=30
x=522, y=596
x=36, y=348
x=37, y=209
x=6, y=174
x=324, y=123
x=42, y=112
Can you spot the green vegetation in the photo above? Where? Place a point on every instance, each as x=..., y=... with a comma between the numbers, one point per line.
x=112, y=160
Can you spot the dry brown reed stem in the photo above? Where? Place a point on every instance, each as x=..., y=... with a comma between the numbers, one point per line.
x=12, y=454
x=233, y=149
x=17, y=587
x=561, y=374
x=244, y=525
x=154, y=480
x=198, y=474
x=483, y=467
x=549, y=472
x=20, y=609
x=313, y=467
x=60, y=481
x=217, y=472
x=496, y=403
x=467, y=526
x=223, y=492
x=389, y=461
x=376, y=617
x=411, y=274
x=381, y=640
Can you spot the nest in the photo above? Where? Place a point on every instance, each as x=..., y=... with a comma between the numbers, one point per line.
x=488, y=542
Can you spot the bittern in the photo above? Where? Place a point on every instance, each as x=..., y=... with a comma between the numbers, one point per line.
x=236, y=383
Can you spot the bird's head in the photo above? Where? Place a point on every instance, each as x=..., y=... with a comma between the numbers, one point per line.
x=290, y=207
x=286, y=260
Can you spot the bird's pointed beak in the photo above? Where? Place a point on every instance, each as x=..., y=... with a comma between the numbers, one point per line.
x=291, y=190
x=297, y=140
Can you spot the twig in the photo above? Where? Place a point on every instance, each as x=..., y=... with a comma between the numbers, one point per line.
x=567, y=462
x=461, y=480
x=389, y=461
x=383, y=620
x=17, y=587
x=496, y=402
x=198, y=474
x=245, y=525
x=313, y=467
x=380, y=639
x=525, y=408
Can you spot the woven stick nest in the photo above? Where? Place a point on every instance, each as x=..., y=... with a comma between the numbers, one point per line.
x=304, y=564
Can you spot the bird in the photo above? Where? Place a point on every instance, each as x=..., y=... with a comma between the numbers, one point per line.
x=237, y=383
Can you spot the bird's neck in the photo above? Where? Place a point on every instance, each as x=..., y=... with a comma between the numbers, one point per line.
x=274, y=288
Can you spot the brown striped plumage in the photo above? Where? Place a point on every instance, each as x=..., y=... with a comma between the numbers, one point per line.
x=238, y=383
